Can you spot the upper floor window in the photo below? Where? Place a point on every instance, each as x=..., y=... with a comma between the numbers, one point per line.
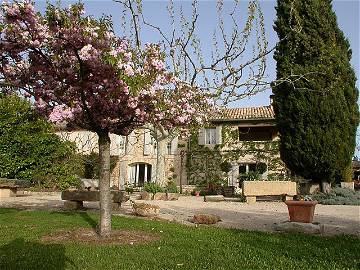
x=122, y=142
x=210, y=136
x=255, y=133
x=168, y=148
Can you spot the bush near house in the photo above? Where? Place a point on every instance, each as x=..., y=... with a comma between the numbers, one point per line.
x=171, y=187
x=153, y=188
x=29, y=150
x=339, y=196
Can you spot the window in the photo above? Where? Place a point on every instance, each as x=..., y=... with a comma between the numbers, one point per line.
x=255, y=133
x=210, y=136
x=153, y=143
x=168, y=148
x=249, y=167
x=122, y=144
x=139, y=173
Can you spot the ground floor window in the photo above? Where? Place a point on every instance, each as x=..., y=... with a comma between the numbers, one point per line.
x=139, y=173
x=252, y=171
x=245, y=168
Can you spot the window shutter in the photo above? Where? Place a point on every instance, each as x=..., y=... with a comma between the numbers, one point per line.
x=147, y=143
x=174, y=145
x=201, y=137
x=130, y=144
x=114, y=144
x=218, y=135
x=122, y=141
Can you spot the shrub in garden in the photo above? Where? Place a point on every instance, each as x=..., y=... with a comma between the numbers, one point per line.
x=261, y=167
x=153, y=188
x=29, y=150
x=339, y=196
x=171, y=187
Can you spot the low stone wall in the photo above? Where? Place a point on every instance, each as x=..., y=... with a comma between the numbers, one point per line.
x=251, y=189
x=188, y=188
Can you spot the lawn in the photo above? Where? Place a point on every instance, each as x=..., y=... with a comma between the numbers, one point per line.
x=179, y=247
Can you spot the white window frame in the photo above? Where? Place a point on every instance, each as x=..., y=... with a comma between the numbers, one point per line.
x=169, y=148
x=210, y=136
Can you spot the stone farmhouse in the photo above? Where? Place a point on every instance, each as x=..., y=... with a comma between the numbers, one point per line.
x=243, y=137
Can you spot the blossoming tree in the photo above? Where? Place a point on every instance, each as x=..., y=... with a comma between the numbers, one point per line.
x=77, y=71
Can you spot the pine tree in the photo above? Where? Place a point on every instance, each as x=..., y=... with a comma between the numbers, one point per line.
x=315, y=96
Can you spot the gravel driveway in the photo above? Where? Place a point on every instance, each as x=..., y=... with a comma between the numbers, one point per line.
x=337, y=219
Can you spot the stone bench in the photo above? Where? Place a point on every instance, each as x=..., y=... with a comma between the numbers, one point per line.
x=252, y=189
x=9, y=187
x=7, y=191
x=74, y=198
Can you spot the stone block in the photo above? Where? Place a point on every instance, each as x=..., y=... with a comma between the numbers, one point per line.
x=146, y=195
x=251, y=199
x=309, y=228
x=7, y=192
x=214, y=198
x=73, y=205
x=146, y=210
x=90, y=183
x=269, y=188
x=160, y=196
x=349, y=185
x=205, y=219
x=172, y=196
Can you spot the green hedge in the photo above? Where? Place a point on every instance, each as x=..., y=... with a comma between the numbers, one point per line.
x=29, y=149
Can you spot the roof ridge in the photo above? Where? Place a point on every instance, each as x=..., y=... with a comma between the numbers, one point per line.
x=246, y=113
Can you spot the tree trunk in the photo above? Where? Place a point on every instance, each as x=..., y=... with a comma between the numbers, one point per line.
x=325, y=187
x=160, y=162
x=104, y=184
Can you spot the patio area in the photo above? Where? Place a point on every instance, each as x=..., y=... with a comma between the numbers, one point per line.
x=261, y=216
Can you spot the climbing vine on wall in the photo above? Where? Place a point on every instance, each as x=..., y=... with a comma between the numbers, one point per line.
x=204, y=162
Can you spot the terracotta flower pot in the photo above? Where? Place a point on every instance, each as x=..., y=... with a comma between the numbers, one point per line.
x=301, y=211
x=197, y=193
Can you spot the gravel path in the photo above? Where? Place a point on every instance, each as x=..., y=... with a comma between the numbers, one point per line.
x=337, y=219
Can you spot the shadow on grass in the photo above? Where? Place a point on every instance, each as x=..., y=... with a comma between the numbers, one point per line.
x=83, y=214
x=21, y=254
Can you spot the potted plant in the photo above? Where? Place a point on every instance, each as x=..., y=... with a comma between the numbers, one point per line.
x=302, y=209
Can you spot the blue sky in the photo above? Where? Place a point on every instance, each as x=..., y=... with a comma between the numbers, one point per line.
x=347, y=11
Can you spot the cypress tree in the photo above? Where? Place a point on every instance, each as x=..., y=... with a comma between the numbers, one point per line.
x=315, y=95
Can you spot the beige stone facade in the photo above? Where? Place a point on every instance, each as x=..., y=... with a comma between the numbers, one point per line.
x=137, y=152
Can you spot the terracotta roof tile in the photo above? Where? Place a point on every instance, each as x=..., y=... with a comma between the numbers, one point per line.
x=249, y=113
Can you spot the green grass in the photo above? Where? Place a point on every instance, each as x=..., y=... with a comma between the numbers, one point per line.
x=180, y=247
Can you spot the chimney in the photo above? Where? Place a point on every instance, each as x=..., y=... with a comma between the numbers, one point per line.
x=271, y=99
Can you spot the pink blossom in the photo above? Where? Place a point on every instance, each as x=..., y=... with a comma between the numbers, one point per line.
x=93, y=93
x=128, y=70
x=60, y=113
x=87, y=52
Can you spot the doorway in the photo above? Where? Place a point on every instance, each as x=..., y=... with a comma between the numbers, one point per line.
x=140, y=173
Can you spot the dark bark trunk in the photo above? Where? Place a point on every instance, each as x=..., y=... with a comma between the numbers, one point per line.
x=325, y=187
x=104, y=184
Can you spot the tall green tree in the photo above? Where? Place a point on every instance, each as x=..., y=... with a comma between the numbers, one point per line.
x=315, y=96
x=29, y=150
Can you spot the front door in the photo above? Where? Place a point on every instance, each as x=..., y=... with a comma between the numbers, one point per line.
x=139, y=174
